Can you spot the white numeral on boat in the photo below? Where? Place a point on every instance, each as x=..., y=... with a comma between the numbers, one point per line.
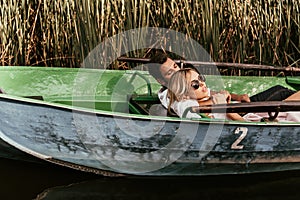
x=244, y=131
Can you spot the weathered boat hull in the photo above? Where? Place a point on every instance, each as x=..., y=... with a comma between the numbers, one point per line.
x=102, y=142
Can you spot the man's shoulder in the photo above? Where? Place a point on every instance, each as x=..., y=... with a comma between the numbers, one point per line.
x=163, y=97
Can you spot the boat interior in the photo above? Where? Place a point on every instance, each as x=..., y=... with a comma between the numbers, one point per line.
x=129, y=91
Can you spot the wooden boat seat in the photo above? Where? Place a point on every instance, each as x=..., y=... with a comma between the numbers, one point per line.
x=148, y=105
x=141, y=104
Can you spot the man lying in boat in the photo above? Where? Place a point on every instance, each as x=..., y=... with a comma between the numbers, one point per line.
x=163, y=68
x=187, y=88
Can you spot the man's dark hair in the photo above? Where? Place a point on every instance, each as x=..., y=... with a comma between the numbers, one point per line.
x=159, y=58
x=155, y=62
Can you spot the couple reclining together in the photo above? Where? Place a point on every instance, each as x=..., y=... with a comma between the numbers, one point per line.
x=162, y=70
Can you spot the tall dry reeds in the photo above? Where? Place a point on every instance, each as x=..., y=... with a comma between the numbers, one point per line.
x=63, y=32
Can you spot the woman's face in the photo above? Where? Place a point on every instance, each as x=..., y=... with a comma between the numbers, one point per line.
x=195, y=81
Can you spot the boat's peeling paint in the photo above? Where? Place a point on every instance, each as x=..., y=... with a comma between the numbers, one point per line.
x=59, y=134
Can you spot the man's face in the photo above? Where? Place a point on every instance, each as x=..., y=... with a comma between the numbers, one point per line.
x=168, y=68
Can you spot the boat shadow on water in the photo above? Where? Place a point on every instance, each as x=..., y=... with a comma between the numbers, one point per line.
x=41, y=181
x=256, y=186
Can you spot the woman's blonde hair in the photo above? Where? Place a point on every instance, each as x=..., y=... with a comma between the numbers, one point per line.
x=179, y=86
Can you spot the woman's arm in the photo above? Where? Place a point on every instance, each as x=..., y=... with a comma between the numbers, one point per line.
x=220, y=98
x=234, y=97
x=235, y=116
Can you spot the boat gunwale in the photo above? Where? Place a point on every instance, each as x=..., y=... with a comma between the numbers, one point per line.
x=143, y=117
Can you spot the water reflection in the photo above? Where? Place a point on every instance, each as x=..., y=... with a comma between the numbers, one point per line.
x=225, y=187
x=37, y=181
x=24, y=180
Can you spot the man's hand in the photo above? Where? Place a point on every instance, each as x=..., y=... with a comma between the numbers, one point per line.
x=241, y=98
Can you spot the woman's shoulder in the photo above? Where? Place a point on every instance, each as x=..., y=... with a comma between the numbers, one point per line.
x=180, y=106
x=187, y=102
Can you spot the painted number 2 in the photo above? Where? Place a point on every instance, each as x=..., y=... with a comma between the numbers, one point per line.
x=243, y=131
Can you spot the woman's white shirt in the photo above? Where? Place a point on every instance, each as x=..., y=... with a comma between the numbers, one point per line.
x=164, y=99
x=180, y=107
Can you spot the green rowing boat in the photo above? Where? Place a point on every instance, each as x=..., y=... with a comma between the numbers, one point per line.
x=101, y=121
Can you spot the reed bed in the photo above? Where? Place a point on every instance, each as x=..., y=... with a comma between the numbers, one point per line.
x=63, y=32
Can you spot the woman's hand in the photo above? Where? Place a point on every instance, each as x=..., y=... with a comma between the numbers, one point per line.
x=227, y=95
x=219, y=98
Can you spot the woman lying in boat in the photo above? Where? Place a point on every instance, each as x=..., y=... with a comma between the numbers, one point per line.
x=162, y=68
x=188, y=88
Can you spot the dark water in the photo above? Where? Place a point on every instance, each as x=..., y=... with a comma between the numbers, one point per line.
x=21, y=180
